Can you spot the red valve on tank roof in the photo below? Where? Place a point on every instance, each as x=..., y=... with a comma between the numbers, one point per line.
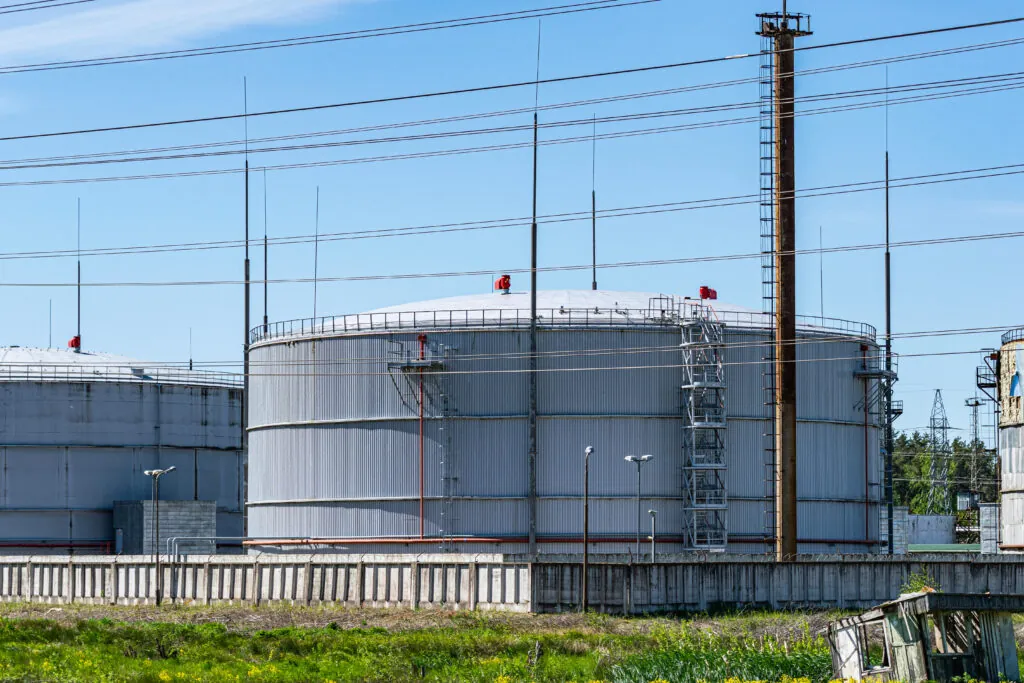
x=75, y=342
x=503, y=283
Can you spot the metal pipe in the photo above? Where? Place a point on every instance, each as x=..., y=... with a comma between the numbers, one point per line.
x=867, y=484
x=889, y=440
x=521, y=540
x=586, y=526
x=78, y=347
x=423, y=340
x=593, y=207
x=652, y=513
x=532, y=455
x=532, y=444
x=266, y=259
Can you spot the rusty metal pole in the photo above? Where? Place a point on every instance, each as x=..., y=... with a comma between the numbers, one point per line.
x=785, y=299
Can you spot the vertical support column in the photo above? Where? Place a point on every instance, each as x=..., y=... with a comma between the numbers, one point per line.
x=785, y=301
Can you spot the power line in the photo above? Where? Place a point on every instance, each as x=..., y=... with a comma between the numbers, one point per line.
x=493, y=147
x=990, y=83
x=621, y=212
x=38, y=5
x=548, y=107
x=498, y=86
x=322, y=38
x=565, y=268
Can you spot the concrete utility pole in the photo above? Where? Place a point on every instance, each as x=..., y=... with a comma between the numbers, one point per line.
x=783, y=29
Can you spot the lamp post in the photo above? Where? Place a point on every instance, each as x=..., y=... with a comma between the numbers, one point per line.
x=586, y=524
x=652, y=513
x=155, y=476
x=639, y=460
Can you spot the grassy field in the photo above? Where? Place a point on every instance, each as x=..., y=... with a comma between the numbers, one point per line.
x=239, y=644
x=82, y=643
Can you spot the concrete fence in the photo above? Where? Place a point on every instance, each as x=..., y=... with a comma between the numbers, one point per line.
x=683, y=583
x=450, y=582
x=728, y=582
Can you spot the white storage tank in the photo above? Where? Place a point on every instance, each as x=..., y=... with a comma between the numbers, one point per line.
x=406, y=429
x=77, y=431
x=1011, y=440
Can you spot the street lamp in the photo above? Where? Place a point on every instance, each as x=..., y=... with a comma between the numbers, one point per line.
x=155, y=475
x=639, y=460
x=586, y=524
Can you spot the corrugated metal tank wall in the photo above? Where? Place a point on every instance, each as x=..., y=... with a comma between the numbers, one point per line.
x=1011, y=441
x=68, y=450
x=334, y=448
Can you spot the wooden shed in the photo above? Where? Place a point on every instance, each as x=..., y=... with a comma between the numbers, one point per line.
x=929, y=637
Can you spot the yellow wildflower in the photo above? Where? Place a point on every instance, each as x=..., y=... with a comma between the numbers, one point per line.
x=164, y=676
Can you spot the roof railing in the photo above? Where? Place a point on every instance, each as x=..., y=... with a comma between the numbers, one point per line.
x=134, y=374
x=1013, y=335
x=520, y=318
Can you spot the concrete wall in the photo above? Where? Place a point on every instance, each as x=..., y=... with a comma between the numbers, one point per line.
x=445, y=581
x=931, y=529
x=683, y=583
x=178, y=519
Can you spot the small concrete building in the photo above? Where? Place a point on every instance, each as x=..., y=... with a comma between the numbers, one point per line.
x=192, y=521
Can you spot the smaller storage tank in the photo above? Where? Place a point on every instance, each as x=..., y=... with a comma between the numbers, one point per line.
x=78, y=430
x=1011, y=439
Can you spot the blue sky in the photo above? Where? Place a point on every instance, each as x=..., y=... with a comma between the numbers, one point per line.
x=936, y=287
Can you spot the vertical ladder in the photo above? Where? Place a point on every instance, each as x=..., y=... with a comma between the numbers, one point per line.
x=704, y=465
x=444, y=410
x=766, y=78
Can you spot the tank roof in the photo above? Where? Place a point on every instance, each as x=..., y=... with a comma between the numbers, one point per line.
x=555, y=308
x=24, y=363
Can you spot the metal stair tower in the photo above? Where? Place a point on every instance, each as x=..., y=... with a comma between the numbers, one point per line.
x=704, y=465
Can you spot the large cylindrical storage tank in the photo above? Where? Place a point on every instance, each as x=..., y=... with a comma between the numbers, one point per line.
x=407, y=428
x=1011, y=440
x=77, y=431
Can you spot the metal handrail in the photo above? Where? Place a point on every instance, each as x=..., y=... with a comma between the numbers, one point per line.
x=1013, y=335
x=520, y=318
x=88, y=372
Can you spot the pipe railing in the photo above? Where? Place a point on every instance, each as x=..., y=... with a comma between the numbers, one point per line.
x=88, y=372
x=551, y=317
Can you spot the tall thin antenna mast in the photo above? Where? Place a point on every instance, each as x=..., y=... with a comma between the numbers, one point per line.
x=78, y=334
x=533, y=324
x=889, y=415
x=316, y=250
x=266, y=254
x=593, y=207
x=821, y=272
x=190, y=348
x=244, y=422
x=49, y=344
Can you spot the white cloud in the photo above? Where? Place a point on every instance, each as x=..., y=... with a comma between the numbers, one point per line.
x=147, y=25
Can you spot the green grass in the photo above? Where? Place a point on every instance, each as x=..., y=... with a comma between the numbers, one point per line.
x=462, y=650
